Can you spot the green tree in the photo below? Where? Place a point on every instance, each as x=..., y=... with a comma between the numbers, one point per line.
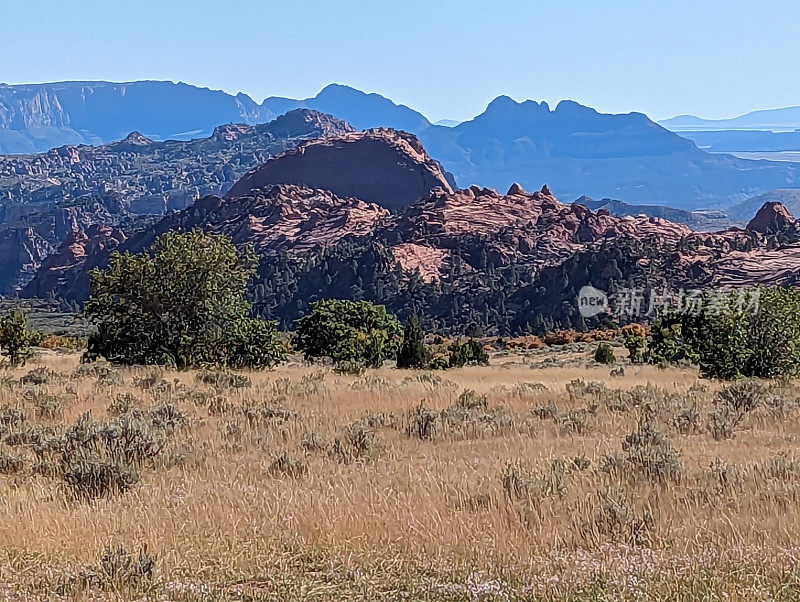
x=412, y=353
x=182, y=304
x=348, y=331
x=16, y=337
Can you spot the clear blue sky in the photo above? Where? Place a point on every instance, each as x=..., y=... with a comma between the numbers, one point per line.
x=445, y=58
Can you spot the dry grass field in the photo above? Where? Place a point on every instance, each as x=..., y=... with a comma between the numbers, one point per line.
x=541, y=477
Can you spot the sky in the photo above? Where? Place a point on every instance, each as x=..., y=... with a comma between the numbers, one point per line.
x=445, y=58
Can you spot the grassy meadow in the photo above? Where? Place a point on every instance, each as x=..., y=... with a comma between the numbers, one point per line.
x=540, y=477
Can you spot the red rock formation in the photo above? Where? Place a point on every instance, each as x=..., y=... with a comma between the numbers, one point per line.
x=771, y=218
x=66, y=270
x=381, y=166
x=528, y=229
x=521, y=227
x=292, y=218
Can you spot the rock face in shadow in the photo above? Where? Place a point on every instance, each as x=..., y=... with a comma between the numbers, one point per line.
x=382, y=166
x=67, y=270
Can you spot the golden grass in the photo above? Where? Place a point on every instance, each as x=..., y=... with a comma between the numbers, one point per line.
x=416, y=518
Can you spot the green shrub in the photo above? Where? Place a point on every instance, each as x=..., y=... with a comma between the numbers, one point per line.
x=604, y=354
x=730, y=338
x=16, y=337
x=348, y=331
x=635, y=341
x=181, y=304
x=471, y=353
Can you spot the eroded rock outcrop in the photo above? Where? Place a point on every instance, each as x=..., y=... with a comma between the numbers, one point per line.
x=284, y=218
x=772, y=218
x=519, y=227
x=67, y=269
x=382, y=166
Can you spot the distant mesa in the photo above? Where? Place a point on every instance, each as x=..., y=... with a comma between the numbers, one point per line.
x=362, y=110
x=578, y=151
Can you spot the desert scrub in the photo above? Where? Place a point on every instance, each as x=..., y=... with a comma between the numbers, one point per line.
x=223, y=379
x=11, y=463
x=41, y=376
x=285, y=465
x=732, y=404
x=262, y=413
x=422, y=423
x=687, y=421
x=579, y=421
x=356, y=443
x=471, y=417
x=47, y=406
x=523, y=484
x=578, y=389
x=95, y=459
x=613, y=516
x=647, y=454
x=123, y=403
x=118, y=571
x=313, y=442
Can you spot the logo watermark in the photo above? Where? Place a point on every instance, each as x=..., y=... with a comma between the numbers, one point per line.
x=641, y=302
x=592, y=302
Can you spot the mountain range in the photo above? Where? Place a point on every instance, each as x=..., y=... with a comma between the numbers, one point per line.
x=775, y=120
x=577, y=150
x=39, y=117
x=771, y=133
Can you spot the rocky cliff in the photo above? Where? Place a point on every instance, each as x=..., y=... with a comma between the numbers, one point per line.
x=38, y=117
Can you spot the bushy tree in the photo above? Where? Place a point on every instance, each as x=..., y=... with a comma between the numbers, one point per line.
x=183, y=303
x=471, y=353
x=412, y=353
x=604, y=354
x=348, y=331
x=752, y=333
x=16, y=337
